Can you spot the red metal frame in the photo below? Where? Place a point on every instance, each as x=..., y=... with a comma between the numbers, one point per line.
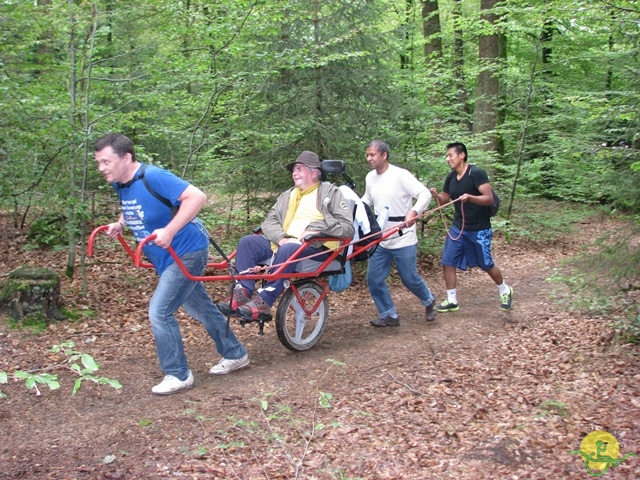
x=277, y=274
x=309, y=312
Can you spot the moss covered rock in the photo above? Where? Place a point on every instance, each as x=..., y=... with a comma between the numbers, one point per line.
x=32, y=291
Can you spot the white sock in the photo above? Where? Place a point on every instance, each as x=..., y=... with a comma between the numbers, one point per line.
x=452, y=296
x=504, y=288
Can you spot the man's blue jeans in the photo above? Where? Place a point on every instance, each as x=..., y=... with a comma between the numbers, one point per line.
x=253, y=249
x=378, y=271
x=174, y=290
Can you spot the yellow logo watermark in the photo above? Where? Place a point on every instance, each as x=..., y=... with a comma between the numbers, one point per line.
x=600, y=451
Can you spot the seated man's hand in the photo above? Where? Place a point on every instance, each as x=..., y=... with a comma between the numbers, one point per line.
x=258, y=269
x=300, y=240
x=289, y=240
x=308, y=233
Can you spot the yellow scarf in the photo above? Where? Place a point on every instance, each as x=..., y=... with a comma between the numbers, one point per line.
x=294, y=202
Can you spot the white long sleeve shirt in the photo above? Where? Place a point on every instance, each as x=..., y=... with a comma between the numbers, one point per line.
x=396, y=188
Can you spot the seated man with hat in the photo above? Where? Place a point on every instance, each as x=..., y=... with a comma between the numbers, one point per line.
x=311, y=207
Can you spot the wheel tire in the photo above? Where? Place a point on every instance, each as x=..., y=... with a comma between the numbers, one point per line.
x=296, y=330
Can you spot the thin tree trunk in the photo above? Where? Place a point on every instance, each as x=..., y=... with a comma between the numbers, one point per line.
x=545, y=40
x=488, y=89
x=431, y=30
x=406, y=57
x=71, y=258
x=462, y=94
x=87, y=134
x=609, y=80
x=540, y=138
x=318, y=80
x=525, y=126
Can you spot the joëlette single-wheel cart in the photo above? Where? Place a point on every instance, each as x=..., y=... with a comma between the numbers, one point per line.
x=302, y=314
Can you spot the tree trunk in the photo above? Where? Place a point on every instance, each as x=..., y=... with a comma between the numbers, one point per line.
x=462, y=94
x=546, y=35
x=86, y=128
x=609, y=80
x=525, y=126
x=406, y=55
x=71, y=258
x=431, y=30
x=490, y=51
x=320, y=150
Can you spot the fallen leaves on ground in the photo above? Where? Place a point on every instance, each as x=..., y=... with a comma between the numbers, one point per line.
x=478, y=393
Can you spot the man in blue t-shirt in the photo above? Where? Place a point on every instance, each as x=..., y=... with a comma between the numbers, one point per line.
x=468, y=242
x=141, y=190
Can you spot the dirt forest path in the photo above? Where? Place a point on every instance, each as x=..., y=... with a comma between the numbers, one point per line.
x=476, y=394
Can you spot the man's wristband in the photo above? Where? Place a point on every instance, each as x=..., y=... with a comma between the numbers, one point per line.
x=121, y=224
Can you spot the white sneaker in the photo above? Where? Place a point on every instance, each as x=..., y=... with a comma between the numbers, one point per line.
x=225, y=366
x=172, y=384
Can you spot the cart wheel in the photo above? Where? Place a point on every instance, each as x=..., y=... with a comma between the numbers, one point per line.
x=296, y=330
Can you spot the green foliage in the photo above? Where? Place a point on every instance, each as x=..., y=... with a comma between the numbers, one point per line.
x=339, y=475
x=32, y=380
x=532, y=221
x=36, y=322
x=225, y=95
x=333, y=362
x=82, y=364
x=628, y=328
x=607, y=281
x=618, y=258
x=74, y=315
x=286, y=430
x=584, y=295
x=227, y=229
x=48, y=231
x=324, y=399
x=3, y=379
x=576, y=124
x=554, y=407
x=537, y=221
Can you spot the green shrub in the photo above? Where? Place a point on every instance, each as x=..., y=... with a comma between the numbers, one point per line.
x=48, y=231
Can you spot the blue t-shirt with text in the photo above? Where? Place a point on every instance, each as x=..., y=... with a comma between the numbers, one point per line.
x=144, y=213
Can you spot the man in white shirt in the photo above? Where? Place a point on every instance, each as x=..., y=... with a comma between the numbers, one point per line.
x=388, y=186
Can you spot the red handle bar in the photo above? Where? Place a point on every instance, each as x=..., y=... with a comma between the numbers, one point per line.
x=122, y=241
x=275, y=275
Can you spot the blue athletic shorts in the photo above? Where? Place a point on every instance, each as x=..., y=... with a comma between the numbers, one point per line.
x=472, y=249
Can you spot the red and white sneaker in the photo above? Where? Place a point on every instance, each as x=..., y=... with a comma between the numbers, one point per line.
x=256, y=310
x=240, y=297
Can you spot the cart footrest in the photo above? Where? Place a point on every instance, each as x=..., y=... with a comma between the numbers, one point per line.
x=260, y=320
